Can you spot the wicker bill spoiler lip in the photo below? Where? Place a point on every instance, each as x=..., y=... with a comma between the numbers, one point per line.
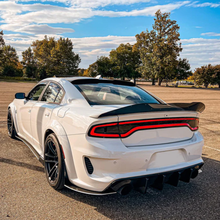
x=140, y=108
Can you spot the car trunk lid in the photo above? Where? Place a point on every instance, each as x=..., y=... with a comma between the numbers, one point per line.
x=157, y=127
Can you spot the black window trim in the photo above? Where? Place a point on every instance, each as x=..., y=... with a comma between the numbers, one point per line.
x=61, y=87
x=46, y=84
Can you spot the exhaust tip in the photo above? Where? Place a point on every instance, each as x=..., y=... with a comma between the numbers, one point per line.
x=125, y=190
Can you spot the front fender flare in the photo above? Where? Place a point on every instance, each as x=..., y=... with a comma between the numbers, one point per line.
x=13, y=111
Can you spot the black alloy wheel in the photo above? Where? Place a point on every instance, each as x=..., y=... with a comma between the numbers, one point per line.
x=10, y=125
x=54, y=162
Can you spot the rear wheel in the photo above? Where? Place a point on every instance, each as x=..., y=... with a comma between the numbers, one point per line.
x=54, y=162
x=10, y=125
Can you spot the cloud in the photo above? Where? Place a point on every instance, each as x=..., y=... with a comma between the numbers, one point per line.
x=103, y=3
x=91, y=4
x=43, y=29
x=205, y=4
x=211, y=34
x=201, y=51
x=16, y=36
x=32, y=18
x=19, y=15
x=148, y=11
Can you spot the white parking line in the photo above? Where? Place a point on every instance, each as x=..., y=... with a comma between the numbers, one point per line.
x=212, y=148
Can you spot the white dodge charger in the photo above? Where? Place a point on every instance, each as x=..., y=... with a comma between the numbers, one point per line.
x=100, y=137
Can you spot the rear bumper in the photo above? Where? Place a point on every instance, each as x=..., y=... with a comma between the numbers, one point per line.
x=141, y=183
x=113, y=161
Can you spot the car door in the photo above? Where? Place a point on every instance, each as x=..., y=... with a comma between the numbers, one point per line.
x=24, y=111
x=41, y=113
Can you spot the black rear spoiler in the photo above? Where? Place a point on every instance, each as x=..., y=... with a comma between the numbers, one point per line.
x=140, y=108
x=193, y=106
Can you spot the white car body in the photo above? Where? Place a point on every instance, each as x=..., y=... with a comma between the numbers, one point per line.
x=142, y=154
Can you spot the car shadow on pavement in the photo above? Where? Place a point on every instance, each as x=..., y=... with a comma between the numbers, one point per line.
x=21, y=164
x=198, y=199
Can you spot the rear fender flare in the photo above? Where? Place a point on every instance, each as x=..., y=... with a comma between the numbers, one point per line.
x=60, y=133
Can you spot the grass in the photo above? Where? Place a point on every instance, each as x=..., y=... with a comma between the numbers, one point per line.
x=17, y=79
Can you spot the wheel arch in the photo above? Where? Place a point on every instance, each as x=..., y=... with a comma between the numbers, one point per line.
x=63, y=140
x=48, y=132
x=12, y=107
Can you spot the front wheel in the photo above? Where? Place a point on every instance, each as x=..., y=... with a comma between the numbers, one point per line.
x=54, y=162
x=10, y=125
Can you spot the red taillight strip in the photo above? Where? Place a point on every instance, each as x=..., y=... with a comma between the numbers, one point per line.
x=143, y=127
x=157, y=126
x=92, y=132
x=155, y=120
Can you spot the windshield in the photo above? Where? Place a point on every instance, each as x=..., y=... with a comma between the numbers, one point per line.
x=111, y=94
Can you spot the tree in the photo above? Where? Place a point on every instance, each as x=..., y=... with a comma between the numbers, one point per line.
x=81, y=72
x=182, y=70
x=29, y=63
x=216, y=75
x=10, y=63
x=105, y=67
x=191, y=77
x=13, y=70
x=10, y=56
x=145, y=45
x=2, y=44
x=65, y=61
x=86, y=72
x=56, y=57
x=127, y=60
x=160, y=48
x=204, y=75
x=41, y=73
x=92, y=70
x=9, y=70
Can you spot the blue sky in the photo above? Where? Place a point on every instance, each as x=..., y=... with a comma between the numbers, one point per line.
x=96, y=27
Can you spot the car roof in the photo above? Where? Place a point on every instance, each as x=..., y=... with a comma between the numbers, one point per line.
x=70, y=79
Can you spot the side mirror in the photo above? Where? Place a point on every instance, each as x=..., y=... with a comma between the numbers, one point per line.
x=20, y=95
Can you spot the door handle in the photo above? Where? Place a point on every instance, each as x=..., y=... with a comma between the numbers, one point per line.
x=47, y=114
x=29, y=111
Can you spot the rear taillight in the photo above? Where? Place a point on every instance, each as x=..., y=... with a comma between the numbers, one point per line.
x=125, y=129
x=105, y=130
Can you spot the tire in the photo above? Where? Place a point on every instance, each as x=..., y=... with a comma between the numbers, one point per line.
x=54, y=164
x=10, y=125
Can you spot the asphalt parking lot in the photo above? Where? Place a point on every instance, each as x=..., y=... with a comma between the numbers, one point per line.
x=25, y=193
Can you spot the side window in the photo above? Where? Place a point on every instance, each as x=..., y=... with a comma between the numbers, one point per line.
x=59, y=96
x=36, y=92
x=53, y=93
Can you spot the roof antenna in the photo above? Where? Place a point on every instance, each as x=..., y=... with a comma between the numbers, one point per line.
x=99, y=77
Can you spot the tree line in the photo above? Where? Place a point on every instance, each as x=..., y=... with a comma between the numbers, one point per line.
x=45, y=58
x=207, y=75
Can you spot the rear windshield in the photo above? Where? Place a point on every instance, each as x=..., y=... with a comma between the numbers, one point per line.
x=111, y=94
